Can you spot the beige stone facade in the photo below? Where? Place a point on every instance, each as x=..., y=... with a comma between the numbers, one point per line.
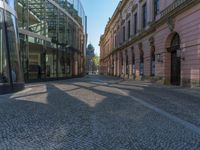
x=157, y=40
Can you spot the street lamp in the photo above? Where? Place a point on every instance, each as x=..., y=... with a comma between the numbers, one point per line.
x=180, y=54
x=159, y=58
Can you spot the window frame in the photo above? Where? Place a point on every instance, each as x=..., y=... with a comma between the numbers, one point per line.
x=156, y=8
x=135, y=23
x=144, y=15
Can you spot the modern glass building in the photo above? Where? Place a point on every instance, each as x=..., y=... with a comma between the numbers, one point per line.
x=41, y=40
x=52, y=38
x=11, y=78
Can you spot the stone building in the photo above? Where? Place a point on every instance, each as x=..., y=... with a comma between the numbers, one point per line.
x=157, y=40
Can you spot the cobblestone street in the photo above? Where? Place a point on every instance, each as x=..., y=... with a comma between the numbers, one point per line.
x=97, y=113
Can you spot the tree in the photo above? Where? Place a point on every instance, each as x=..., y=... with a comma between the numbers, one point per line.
x=96, y=62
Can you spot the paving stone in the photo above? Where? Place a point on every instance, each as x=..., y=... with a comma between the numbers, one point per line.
x=98, y=113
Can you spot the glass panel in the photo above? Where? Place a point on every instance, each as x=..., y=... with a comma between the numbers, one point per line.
x=11, y=3
x=61, y=63
x=51, y=63
x=60, y=31
x=4, y=75
x=69, y=65
x=14, y=48
x=35, y=67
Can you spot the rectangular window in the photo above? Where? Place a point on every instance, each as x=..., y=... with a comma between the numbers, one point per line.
x=124, y=34
x=135, y=24
x=156, y=8
x=144, y=15
x=129, y=29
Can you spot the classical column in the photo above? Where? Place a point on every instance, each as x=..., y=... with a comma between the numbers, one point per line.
x=109, y=65
x=76, y=64
x=124, y=63
x=119, y=66
x=108, y=69
x=115, y=64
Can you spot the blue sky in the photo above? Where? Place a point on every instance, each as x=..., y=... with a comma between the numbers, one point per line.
x=98, y=12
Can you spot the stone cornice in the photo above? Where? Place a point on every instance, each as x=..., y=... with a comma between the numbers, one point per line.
x=141, y=1
x=134, y=7
x=128, y=15
x=117, y=12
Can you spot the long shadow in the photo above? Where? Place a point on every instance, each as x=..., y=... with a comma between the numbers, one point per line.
x=171, y=100
x=63, y=122
x=182, y=105
x=121, y=123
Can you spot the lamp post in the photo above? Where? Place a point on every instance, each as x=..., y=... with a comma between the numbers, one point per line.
x=159, y=58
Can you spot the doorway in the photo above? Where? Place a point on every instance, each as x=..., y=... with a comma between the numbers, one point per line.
x=175, y=60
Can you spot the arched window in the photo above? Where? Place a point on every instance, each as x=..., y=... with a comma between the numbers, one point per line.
x=175, y=41
x=175, y=60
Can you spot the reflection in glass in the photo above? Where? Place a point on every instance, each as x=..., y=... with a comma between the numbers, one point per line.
x=51, y=63
x=4, y=76
x=11, y=3
x=16, y=73
x=48, y=51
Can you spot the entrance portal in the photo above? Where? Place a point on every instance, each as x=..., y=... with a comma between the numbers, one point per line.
x=175, y=60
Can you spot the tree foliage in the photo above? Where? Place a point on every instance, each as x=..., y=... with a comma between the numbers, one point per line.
x=96, y=60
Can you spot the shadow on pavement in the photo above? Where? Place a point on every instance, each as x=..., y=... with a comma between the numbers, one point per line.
x=91, y=116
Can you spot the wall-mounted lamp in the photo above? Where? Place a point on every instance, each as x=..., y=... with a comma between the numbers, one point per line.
x=180, y=54
x=159, y=58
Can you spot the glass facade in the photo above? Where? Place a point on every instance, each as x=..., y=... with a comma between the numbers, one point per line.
x=11, y=78
x=40, y=40
x=52, y=38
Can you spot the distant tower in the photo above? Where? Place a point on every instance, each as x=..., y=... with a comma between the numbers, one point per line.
x=89, y=58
